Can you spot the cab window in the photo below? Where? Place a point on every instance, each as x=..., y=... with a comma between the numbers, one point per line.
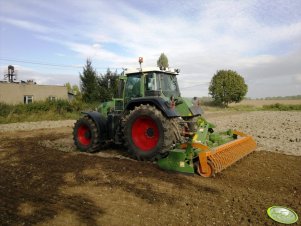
x=152, y=82
x=132, y=88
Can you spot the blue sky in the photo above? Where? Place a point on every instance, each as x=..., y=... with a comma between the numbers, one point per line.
x=261, y=40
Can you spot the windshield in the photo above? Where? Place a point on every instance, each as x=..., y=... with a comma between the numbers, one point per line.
x=169, y=85
x=154, y=83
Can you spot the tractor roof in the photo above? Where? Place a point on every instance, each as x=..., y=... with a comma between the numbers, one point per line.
x=172, y=71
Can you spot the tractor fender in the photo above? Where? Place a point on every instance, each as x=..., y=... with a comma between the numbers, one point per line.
x=100, y=122
x=158, y=102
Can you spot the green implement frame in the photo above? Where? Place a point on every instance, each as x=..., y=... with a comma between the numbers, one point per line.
x=207, y=152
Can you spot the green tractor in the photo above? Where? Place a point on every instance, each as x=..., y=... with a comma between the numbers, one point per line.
x=148, y=115
x=154, y=122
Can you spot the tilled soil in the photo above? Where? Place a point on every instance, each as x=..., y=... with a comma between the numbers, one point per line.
x=45, y=181
x=275, y=131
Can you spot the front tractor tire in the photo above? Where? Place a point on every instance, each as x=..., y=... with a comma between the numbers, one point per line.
x=147, y=132
x=85, y=135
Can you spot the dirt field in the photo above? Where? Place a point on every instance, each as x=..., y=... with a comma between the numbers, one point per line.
x=45, y=181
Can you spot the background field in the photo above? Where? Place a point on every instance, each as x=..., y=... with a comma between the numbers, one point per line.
x=260, y=103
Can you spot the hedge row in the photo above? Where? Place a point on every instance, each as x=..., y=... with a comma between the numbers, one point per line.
x=58, y=106
x=282, y=107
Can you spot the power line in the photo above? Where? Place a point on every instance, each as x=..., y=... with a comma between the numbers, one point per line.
x=38, y=63
x=53, y=65
x=202, y=84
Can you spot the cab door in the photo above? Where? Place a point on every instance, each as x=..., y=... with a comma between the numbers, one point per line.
x=133, y=87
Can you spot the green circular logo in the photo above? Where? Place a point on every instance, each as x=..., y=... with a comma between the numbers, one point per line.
x=282, y=214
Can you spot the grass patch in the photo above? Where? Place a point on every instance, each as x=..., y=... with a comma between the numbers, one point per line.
x=282, y=107
x=244, y=108
x=43, y=110
x=210, y=106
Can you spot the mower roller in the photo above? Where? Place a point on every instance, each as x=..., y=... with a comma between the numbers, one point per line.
x=150, y=118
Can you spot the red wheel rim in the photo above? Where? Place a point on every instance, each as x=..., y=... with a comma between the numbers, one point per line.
x=84, y=135
x=145, y=133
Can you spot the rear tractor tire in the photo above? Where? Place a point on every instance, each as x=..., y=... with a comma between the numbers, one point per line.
x=85, y=135
x=148, y=133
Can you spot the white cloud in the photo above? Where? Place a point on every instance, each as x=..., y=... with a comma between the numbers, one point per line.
x=26, y=25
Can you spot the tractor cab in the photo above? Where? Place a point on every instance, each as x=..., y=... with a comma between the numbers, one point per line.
x=144, y=85
x=153, y=86
x=157, y=87
x=151, y=82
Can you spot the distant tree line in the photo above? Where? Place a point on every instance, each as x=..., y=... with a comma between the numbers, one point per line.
x=297, y=97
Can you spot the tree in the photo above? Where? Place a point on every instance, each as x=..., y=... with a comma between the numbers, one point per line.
x=75, y=89
x=68, y=85
x=108, y=84
x=88, y=83
x=162, y=62
x=227, y=86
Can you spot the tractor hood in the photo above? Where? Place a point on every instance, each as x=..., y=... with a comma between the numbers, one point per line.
x=187, y=107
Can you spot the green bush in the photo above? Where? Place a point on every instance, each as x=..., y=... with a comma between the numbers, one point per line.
x=35, y=107
x=43, y=110
x=5, y=109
